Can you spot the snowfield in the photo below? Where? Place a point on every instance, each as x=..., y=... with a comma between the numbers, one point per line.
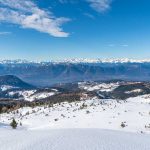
x=92, y=124
x=31, y=95
x=72, y=139
x=7, y=87
x=98, y=86
x=134, y=113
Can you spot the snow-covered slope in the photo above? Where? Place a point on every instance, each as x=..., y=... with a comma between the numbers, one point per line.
x=32, y=95
x=131, y=115
x=72, y=139
x=98, y=86
x=86, y=125
x=7, y=87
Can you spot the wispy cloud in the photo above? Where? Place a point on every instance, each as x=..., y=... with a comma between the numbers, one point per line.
x=100, y=5
x=28, y=15
x=97, y=5
x=5, y=33
x=89, y=15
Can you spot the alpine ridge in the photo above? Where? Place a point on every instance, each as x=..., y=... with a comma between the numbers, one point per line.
x=78, y=60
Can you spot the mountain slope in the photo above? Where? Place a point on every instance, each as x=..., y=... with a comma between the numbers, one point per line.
x=13, y=81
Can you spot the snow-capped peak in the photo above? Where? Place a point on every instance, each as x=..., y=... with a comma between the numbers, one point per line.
x=77, y=60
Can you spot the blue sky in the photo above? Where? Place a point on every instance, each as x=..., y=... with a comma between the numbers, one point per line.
x=46, y=30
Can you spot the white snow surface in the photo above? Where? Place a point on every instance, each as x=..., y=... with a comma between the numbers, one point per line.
x=98, y=86
x=7, y=87
x=72, y=139
x=87, y=125
x=37, y=96
x=95, y=113
x=134, y=91
x=31, y=95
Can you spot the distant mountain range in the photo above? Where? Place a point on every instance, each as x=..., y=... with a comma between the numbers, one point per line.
x=76, y=60
x=54, y=72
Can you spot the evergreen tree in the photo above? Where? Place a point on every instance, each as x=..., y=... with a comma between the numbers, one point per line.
x=13, y=124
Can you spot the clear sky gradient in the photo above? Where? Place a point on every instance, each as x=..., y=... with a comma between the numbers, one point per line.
x=48, y=29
